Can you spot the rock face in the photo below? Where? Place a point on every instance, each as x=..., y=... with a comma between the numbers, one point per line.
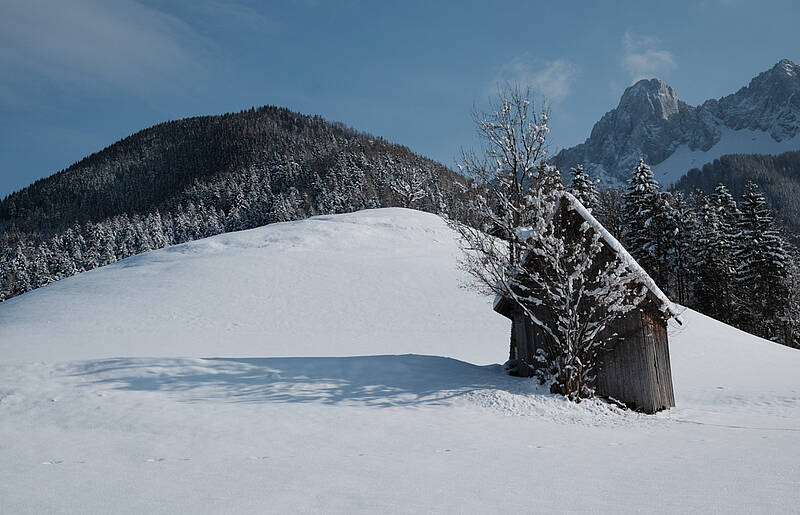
x=651, y=122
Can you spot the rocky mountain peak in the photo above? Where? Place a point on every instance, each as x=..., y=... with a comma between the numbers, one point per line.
x=787, y=67
x=778, y=81
x=648, y=98
x=645, y=125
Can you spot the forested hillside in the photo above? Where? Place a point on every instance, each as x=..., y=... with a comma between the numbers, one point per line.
x=778, y=177
x=187, y=179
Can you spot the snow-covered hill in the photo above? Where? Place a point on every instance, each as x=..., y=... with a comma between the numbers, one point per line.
x=336, y=365
x=652, y=123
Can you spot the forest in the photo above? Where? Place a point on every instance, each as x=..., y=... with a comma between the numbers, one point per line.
x=729, y=259
x=777, y=176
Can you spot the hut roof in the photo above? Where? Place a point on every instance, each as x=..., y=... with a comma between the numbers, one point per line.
x=501, y=305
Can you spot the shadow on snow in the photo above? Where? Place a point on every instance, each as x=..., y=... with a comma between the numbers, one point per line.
x=404, y=380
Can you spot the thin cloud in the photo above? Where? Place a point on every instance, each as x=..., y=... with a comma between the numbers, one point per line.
x=93, y=45
x=552, y=80
x=643, y=58
x=229, y=13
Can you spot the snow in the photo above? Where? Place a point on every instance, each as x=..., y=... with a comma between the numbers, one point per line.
x=336, y=365
x=744, y=141
x=286, y=290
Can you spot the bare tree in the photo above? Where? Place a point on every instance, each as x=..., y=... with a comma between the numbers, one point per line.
x=508, y=169
x=523, y=247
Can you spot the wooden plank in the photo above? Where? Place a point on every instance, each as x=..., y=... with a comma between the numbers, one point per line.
x=523, y=344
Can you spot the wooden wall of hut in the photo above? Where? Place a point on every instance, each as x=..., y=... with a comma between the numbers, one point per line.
x=635, y=370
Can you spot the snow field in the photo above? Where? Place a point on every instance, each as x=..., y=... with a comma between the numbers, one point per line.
x=336, y=365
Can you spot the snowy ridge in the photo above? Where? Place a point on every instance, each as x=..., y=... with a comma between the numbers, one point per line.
x=336, y=365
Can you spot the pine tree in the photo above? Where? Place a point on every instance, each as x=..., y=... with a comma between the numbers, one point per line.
x=727, y=210
x=6, y=256
x=77, y=248
x=761, y=276
x=583, y=188
x=684, y=232
x=713, y=265
x=20, y=278
x=791, y=335
x=727, y=218
x=643, y=218
x=610, y=211
x=39, y=267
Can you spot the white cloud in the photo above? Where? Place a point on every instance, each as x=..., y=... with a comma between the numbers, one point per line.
x=642, y=57
x=552, y=80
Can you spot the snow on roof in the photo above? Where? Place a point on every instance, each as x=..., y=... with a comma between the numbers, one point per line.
x=666, y=306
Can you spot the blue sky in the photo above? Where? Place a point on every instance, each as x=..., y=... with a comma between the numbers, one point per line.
x=77, y=75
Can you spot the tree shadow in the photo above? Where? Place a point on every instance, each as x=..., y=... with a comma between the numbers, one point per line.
x=383, y=381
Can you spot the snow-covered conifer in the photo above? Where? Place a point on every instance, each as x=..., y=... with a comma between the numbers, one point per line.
x=762, y=260
x=583, y=188
x=644, y=221
x=20, y=281
x=610, y=210
x=713, y=265
x=727, y=210
x=679, y=242
x=408, y=184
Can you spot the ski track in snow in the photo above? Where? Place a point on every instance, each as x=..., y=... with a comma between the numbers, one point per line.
x=337, y=365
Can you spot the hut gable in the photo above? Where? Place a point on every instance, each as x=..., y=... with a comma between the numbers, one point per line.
x=654, y=292
x=635, y=370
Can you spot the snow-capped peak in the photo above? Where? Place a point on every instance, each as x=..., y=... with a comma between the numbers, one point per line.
x=645, y=125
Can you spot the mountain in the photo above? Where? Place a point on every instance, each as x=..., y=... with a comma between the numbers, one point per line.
x=652, y=123
x=336, y=365
x=266, y=164
x=188, y=179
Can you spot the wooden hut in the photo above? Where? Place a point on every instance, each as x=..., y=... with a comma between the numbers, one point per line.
x=634, y=369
